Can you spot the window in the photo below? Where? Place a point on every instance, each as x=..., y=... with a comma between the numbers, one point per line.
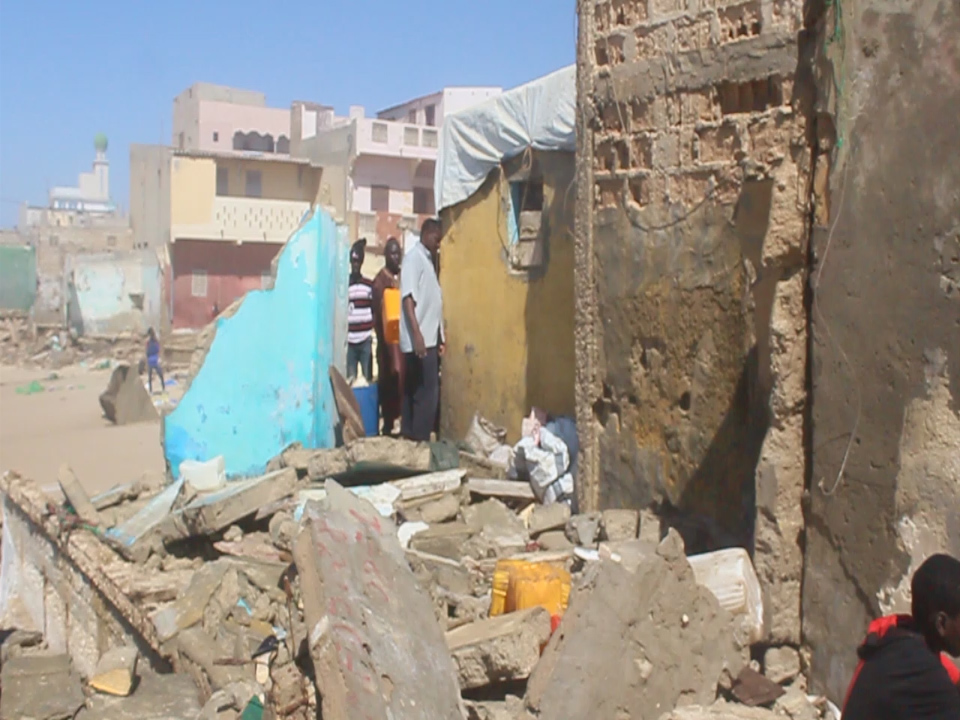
x=430, y=138
x=216, y=136
x=423, y=201
x=380, y=198
x=366, y=224
x=379, y=133
x=180, y=141
x=54, y=241
x=111, y=240
x=431, y=113
x=198, y=283
x=223, y=181
x=411, y=136
x=412, y=117
x=254, y=182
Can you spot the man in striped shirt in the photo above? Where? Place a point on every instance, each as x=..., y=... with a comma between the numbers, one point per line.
x=359, y=318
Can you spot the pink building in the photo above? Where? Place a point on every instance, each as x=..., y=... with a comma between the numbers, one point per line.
x=378, y=172
x=215, y=118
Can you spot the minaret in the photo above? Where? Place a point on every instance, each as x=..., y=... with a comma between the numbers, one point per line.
x=101, y=167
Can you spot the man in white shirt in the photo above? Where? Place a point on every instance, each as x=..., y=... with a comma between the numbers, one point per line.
x=421, y=334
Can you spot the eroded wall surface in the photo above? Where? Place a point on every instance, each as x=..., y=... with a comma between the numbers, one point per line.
x=264, y=381
x=691, y=334
x=886, y=358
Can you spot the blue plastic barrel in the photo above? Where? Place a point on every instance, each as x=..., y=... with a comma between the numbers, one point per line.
x=367, y=399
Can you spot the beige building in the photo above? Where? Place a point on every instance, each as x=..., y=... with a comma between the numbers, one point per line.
x=215, y=118
x=230, y=213
x=378, y=171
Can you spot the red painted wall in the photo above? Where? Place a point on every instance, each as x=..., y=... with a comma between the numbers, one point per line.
x=231, y=269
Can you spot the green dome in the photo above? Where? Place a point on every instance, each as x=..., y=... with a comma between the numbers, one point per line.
x=100, y=142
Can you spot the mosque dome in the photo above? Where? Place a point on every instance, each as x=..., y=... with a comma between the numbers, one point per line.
x=100, y=142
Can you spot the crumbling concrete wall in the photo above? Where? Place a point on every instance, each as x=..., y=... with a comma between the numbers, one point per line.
x=691, y=255
x=263, y=384
x=886, y=317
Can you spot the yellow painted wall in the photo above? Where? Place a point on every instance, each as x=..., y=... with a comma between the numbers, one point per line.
x=278, y=180
x=193, y=184
x=509, y=337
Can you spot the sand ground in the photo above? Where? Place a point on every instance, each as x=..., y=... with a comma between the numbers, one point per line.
x=64, y=423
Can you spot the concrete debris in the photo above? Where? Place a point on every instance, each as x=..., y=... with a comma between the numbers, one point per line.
x=502, y=489
x=116, y=671
x=76, y=496
x=156, y=697
x=548, y=517
x=720, y=711
x=217, y=511
x=126, y=400
x=499, y=649
x=376, y=647
x=583, y=530
x=432, y=512
x=781, y=664
x=509, y=709
x=388, y=587
x=620, y=524
x=681, y=642
x=40, y=687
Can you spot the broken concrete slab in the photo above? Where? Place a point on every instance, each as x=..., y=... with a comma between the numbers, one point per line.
x=77, y=496
x=720, y=711
x=548, y=517
x=678, y=640
x=376, y=646
x=388, y=451
x=554, y=540
x=502, y=489
x=620, y=524
x=126, y=400
x=140, y=535
x=446, y=540
x=583, y=530
x=433, y=512
x=188, y=609
x=499, y=649
x=200, y=653
x=157, y=697
x=39, y=687
x=781, y=664
x=492, y=514
x=420, y=486
x=116, y=671
x=214, y=512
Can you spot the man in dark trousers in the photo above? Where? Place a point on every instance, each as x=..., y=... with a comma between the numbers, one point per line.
x=904, y=671
x=421, y=334
x=359, y=317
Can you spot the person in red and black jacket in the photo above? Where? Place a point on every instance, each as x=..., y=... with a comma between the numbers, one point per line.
x=904, y=672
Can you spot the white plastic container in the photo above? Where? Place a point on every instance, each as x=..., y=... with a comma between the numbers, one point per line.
x=204, y=476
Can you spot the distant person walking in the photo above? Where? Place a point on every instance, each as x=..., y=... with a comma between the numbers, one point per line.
x=389, y=358
x=359, y=317
x=153, y=361
x=421, y=334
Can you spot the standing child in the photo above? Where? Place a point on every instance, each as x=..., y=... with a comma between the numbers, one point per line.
x=153, y=360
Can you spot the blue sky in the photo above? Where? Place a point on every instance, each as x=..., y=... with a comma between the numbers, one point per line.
x=71, y=69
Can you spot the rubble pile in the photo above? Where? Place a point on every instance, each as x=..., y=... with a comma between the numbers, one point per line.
x=25, y=344
x=371, y=581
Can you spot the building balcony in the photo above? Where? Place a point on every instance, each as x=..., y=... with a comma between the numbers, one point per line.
x=246, y=220
x=396, y=139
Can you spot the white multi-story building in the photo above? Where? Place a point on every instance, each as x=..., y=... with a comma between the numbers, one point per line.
x=378, y=171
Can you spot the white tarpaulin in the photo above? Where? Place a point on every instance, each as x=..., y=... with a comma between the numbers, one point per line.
x=539, y=115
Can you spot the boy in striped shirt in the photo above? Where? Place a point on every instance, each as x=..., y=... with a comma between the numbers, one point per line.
x=359, y=318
